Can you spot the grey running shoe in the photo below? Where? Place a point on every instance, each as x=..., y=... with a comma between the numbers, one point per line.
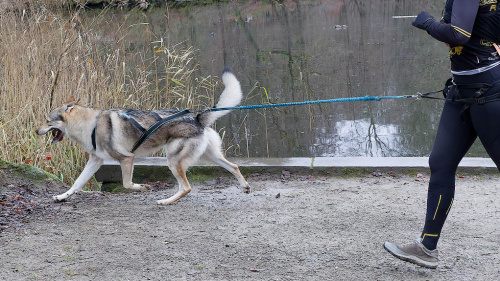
x=415, y=253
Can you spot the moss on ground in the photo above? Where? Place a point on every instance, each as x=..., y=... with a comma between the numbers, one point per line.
x=27, y=172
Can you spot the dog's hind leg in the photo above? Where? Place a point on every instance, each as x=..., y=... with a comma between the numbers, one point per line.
x=127, y=166
x=214, y=154
x=179, y=172
x=91, y=167
x=181, y=153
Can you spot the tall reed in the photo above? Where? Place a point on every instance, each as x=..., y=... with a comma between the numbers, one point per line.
x=47, y=56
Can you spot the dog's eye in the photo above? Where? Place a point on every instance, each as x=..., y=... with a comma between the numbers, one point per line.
x=54, y=118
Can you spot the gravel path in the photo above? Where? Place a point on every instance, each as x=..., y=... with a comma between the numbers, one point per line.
x=288, y=228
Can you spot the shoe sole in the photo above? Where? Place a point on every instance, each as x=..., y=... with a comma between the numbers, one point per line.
x=394, y=250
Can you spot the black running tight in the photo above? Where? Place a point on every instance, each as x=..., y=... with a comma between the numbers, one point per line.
x=456, y=133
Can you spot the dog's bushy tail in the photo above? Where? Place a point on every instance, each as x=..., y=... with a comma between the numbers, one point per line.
x=230, y=97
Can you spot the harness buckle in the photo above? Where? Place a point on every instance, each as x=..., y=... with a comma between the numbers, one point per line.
x=481, y=100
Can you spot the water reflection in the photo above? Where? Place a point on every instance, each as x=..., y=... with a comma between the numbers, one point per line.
x=308, y=50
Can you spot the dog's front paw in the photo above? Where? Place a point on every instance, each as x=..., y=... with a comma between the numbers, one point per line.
x=59, y=198
x=247, y=189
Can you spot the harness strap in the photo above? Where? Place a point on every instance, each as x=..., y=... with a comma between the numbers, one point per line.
x=94, y=132
x=156, y=126
x=156, y=115
x=128, y=118
x=428, y=95
x=93, y=138
x=474, y=86
x=477, y=98
x=481, y=100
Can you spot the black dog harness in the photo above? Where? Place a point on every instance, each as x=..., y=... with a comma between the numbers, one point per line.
x=145, y=132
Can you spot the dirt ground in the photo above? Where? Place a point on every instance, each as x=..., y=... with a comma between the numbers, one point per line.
x=291, y=227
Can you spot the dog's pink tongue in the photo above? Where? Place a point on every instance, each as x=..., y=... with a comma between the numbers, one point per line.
x=54, y=135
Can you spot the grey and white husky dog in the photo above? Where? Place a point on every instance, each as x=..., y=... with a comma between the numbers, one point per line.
x=114, y=134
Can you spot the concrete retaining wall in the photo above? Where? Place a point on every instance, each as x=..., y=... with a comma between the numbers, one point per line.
x=155, y=169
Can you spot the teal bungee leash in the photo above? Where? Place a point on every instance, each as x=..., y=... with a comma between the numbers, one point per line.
x=162, y=121
x=365, y=98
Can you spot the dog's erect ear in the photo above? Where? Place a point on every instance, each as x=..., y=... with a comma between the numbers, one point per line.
x=70, y=100
x=70, y=106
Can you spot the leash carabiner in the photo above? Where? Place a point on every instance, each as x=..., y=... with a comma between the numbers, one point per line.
x=427, y=95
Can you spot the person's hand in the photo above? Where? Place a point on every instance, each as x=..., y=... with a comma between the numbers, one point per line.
x=423, y=20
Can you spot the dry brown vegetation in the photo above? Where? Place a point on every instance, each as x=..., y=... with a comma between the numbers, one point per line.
x=48, y=55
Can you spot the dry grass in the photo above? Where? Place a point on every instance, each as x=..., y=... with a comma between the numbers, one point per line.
x=47, y=57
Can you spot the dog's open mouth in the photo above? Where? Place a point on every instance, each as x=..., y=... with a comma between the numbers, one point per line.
x=57, y=135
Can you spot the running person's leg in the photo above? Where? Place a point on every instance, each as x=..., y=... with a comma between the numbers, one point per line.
x=481, y=120
x=453, y=140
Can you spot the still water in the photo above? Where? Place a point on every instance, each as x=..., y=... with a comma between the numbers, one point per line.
x=312, y=50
